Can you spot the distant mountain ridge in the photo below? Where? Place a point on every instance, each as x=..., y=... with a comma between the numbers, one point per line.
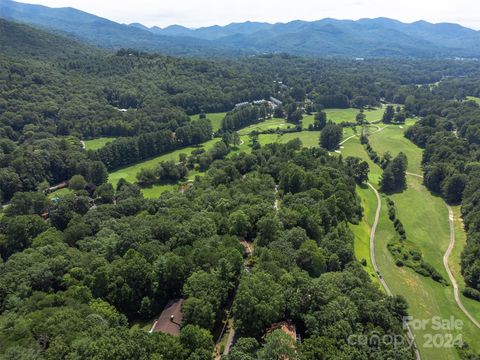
x=103, y=32
x=443, y=39
x=380, y=37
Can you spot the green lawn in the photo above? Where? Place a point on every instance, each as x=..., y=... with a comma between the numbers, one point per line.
x=307, y=120
x=349, y=115
x=96, y=144
x=454, y=262
x=216, y=119
x=308, y=138
x=392, y=139
x=476, y=99
x=129, y=173
x=275, y=123
x=362, y=230
x=59, y=193
x=425, y=219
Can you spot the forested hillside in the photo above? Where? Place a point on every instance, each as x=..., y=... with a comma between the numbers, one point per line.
x=73, y=291
x=371, y=38
x=259, y=235
x=72, y=92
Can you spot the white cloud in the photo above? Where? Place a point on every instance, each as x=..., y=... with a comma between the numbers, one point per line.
x=196, y=13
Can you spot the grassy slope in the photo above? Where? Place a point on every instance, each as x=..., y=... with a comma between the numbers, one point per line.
x=349, y=115
x=363, y=229
x=425, y=219
x=275, y=123
x=460, y=239
x=216, y=119
x=96, y=144
x=129, y=173
x=391, y=139
x=308, y=138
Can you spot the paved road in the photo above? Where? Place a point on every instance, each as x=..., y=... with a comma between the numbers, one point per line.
x=446, y=258
x=375, y=267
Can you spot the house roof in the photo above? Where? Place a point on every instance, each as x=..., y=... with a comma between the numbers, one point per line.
x=165, y=323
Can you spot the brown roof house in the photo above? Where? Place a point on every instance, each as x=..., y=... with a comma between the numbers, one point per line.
x=170, y=319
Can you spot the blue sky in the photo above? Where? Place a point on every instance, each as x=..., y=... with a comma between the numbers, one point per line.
x=197, y=13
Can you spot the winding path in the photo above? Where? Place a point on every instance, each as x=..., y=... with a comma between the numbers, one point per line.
x=348, y=138
x=446, y=257
x=410, y=335
x=456, y=295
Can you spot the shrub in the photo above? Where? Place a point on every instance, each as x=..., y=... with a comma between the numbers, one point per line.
x=471, y=293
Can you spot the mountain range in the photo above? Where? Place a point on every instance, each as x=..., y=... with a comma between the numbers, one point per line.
x=380, y=37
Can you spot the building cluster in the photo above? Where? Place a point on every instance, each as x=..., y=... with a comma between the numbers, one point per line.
x=272, y=103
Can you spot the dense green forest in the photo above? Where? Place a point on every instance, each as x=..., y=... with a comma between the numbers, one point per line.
x=77, y=272
x=53, y=96
x=89, y=272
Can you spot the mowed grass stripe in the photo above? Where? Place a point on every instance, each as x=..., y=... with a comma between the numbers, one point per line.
x=350, y=114
x=425, y=218
x=96, y=144
x=215, y=118
x=129, y=173
x=472, y=306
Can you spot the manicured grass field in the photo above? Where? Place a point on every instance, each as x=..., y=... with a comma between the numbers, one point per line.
x=275, y=123
x=129, y=173
x=460, y=239
x=96, y=144
x=392, y=139
x=307, y=120
x=216, y=119
x=349, y=115
x=362, y=230
x=425, y=219
x=308, y=138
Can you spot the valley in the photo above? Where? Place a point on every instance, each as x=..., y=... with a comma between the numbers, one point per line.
x=250, y=191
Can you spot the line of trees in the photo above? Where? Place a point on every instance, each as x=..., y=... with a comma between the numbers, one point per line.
x=125, y=151
x=244, y=116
